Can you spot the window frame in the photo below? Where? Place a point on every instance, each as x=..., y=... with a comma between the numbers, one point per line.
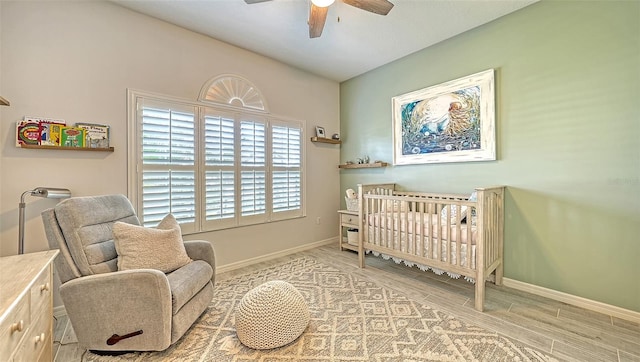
x=136, y=99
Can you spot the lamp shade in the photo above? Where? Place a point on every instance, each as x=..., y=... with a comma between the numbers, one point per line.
x=51, y=193
x=322, y=3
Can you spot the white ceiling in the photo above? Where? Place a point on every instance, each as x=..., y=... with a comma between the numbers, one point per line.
x=353, y=41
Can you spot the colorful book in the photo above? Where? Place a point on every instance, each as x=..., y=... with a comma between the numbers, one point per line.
x=55, y=133
x=27, y=133
x=72, y=137
x=96, y=135
x=50, y=133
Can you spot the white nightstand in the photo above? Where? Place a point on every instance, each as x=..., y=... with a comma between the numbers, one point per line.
x=348, y=220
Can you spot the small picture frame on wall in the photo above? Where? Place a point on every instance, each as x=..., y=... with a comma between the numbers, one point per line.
x=320, y=132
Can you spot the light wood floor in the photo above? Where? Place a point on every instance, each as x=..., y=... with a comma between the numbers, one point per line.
x=569, y=333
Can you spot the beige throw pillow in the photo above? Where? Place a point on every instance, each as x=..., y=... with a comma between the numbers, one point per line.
x=159, y=248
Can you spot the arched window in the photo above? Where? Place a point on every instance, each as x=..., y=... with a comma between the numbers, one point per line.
x=233, y=90
x=220, y=162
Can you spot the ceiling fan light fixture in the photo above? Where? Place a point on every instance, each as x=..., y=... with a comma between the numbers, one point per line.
x=322, y=3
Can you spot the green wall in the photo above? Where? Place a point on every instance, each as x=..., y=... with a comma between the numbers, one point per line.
x=568, y=139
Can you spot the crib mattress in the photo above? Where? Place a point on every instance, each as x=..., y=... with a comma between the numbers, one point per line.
x=422, y=248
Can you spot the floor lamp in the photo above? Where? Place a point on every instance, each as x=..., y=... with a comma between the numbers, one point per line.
x=46, y=192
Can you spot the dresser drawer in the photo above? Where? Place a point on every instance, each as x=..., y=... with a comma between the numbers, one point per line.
x=38, y=339
x=14, y=327
x=41, y=293
x=347, y=219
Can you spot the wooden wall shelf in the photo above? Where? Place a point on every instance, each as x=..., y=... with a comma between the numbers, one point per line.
x=325, y=140
x=364, y=165
x=110, y=149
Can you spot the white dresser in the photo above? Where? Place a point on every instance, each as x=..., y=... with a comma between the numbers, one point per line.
x=26, y=307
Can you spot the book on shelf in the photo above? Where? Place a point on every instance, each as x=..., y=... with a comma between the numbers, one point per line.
x=72, y=137
x=50, y=133
x=27, y=133
x=96, y=135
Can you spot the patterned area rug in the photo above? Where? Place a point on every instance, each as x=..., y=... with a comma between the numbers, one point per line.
x=352, y=319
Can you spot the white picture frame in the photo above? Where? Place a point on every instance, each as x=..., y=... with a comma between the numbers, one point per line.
x=447, y=122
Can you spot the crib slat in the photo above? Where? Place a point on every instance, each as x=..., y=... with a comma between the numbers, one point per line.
x=428, y=245
x=379, y=223
x=458, y=240
x=424, y=228
x=405, y=225
x=412, y=209
x=467, y=263
x=444, y=223
x=390, y=228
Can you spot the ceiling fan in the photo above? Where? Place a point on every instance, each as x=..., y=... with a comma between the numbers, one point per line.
x=319, y=8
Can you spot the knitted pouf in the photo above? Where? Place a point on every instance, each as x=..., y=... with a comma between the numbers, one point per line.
x=271, y=315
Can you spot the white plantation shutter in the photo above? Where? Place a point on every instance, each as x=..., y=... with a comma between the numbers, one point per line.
x=168, y=165
x=253, y=188
x=213, y=167
x=287, y=170
x=220, y=193
x=219, y=150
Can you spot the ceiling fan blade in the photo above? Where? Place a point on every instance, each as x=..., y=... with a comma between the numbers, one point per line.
x=381, y=7
x=255, y=1
x=317, y=18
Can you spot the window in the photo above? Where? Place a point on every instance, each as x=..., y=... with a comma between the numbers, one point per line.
x=287, y=168
x=213, y=167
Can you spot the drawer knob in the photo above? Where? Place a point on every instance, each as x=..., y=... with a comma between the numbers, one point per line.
x=40, y=338
x=44, y=287
x=17, y=327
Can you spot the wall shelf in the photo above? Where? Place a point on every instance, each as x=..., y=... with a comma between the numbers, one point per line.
x=325, y=140
x=110, y=149
x=364, y=165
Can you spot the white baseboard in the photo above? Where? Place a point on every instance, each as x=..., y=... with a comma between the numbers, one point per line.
x=589, y=304
x=261, y=258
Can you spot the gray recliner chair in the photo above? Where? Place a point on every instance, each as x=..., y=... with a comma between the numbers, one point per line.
x=129, y=310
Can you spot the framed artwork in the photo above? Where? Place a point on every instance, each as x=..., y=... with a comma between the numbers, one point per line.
x=320, y=132
x=448, y=122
